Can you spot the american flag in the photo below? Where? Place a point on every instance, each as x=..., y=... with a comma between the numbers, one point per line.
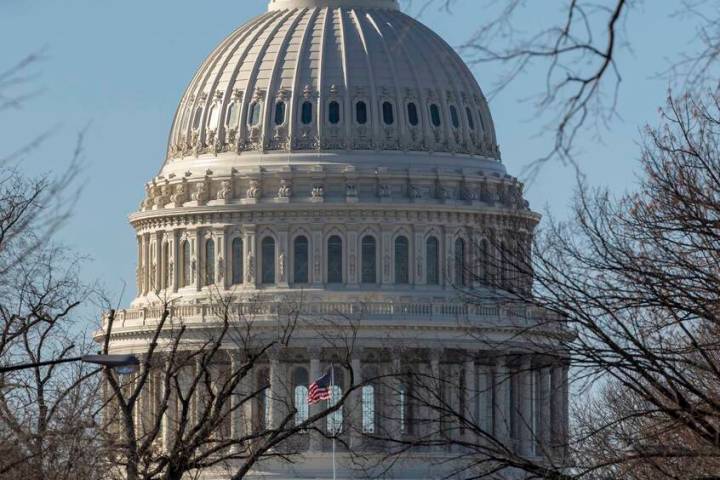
x=320, y=389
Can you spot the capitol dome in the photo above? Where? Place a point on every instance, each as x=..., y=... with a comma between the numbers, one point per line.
x=341, y=153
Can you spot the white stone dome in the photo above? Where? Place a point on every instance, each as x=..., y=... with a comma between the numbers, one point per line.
x=324, y=76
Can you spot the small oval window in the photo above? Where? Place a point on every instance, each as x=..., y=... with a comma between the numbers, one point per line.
x=361, y=113
x=435, y=115
x=413, y=117
x=307, y=113
x=254, y=114
x=279, y=113
x=197, y=118
x=454, y=117
x=388, y=113
x=334, y=113
x=471, y=121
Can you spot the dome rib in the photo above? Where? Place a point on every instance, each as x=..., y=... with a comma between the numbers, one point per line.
x=302, y=50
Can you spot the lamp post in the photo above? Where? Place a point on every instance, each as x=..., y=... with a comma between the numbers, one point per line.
x=123, y=364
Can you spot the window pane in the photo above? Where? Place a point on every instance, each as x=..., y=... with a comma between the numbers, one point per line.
x=186, y=264
x=300, y=259
x=301, y=404
x=470, y=119
x=361, y=114
x=460, y=262
x=268, y=261
x=485, y=261
x=435, y=115
x=232, y=115
x=388, y=113
x=307, y=114
x=334, y=260
x=413, y=114
x=214, y=117
x=335, y=419
x=368, y=409
x=454, y=116
x=369, y=260
x=237, y=261
x=254, y=113
x=210, y=262
x=402, y=254
x=279, y=113
x=334, y=113
x=432, y=257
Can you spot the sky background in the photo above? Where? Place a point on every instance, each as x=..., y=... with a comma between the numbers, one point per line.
x=119, y=67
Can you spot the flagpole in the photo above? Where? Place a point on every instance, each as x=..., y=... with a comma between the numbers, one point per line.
x=334, y=400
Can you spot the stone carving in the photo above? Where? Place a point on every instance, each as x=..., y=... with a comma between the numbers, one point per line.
x=250, y=262
x=171, y=274
x=444, y=193
x=201, y=193
x=193, y=270
x=285, y=190
x=226, y=191
x=254, y=190
x=180, y=195
x=351, y=190
x=384, y=190
x=352, y=266
x=138, y=278
x=281, y=266
x=318, y=192
x=420, y=266
x=469, y=194
x=163, y=198
x=220, y=270
x=316, y=257
x=415, y=192
x=386, y=265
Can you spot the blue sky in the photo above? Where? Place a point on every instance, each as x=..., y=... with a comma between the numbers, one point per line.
x=121, y=66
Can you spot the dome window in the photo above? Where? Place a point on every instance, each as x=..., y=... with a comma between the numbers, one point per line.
x=334, y=112
x=435, y=115
x=334, y=259
x=198, y=118
x=369, y=260
x=413, y=117
x=361, y=113
x=254, y=114
x=306, y=115
x=210, y=262
x=268, y=261
x=237, y=261
x=471, y=121
x=402, y=261
x=432, y=255
x=454, y=117
x=300, y=260
x=279, y=113
x=388, y=113
x=214, y=117
x=460, y=262
x=232, y=116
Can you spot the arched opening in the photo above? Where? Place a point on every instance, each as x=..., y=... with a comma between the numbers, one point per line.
x=470, y=119
x=268, y=261
x=460, y=262
x=368, y=250
x=300, y=394
x=306, y=114
x=432, y=258
x=361, y=113
x=254, y=113
x=334, y=260
x=388, y=113
x=402, y=260
x=435, y=115
x=368, y=409
x=279, y=113
x=454, y=117
x=210, y=262
x=413, y=116
x=334, y=112
x=238, y=261
x=301, y=250
x=185, y=263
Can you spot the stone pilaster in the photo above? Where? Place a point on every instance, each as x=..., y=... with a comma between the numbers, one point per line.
x=501, y=405
x=525, y=419
x=470, y=398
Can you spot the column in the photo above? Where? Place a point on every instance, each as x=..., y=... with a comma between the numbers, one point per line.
x=195, y=264
x=420, y=277
x=544, y=413
x=501, y=405
x=251, y=263
x=355, y=400
x=199, y=395
x=169, y=416
x=220, y=260
x=276, y=395
x=174, y=269
x=283, y=257
x=236, y=398
x=315, y=438
x=386, y=256
x=435, y=414
x=484, y=398
x=316, y=256
x=395, y=402
x=470, y=399
x=449, y=260
x=526, y=427
x=159, y=266
x=353, y=273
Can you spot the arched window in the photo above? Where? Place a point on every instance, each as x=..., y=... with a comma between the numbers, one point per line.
x=334, y=259
x=413, y=116
x=435, y=115
x=185, y=262
x=306, y=114
x=214, y=117
x=166, y=264
x=454, y=117
x=253, y=117
x=210, y=262
x=279, y=113
x=197, y=118
x=369, y=260
x=238, y=261
x=300, y=260
x=460, y=262
x=300, y=390
x=402, y=260
x=334, y=112
x=361, y=113
x=388, y=113
x=335, y=419
x=470, y=119
x=432, y=257
x=368, y=409
x=232, y=115
x=268, y=261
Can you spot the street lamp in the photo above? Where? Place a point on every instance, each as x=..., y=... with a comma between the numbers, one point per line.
x=123, y=364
